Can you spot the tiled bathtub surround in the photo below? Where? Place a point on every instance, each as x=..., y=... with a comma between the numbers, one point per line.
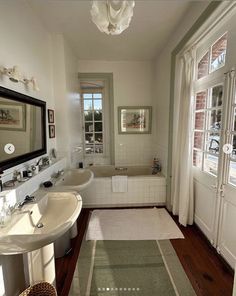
x=142, y=190
x=128, y=154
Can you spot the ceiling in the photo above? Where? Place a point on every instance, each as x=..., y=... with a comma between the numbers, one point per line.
x=152, y=24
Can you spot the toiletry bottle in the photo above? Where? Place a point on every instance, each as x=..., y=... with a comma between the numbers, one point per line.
x=158, y=165
x=18, y=176
x=5, y=213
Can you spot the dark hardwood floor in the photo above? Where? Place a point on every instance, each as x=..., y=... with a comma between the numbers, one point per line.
x=65, y=266
x=208, y=273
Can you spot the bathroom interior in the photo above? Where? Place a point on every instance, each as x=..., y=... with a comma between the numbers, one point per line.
x=117, y=147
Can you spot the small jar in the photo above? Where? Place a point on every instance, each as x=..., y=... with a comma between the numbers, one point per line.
x=30, y=173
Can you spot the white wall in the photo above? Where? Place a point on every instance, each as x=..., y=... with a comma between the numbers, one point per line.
x=75, y=117
x=25, y=42
x=132, y=87
x=67, y=103
x=162, y=82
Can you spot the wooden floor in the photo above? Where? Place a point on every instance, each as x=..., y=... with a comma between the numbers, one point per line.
x=209, y=275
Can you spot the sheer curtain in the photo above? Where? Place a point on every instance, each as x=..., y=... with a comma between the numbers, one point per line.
x=182, y=179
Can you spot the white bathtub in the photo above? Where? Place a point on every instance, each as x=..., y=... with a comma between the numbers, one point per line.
x=143, y=187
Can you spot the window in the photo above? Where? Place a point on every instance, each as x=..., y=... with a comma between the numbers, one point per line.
x=97, y=117
x=203, y=66
x=207, y=129
x=209, y=107
x=213, y=59
x=93, y=121
x=218, y=53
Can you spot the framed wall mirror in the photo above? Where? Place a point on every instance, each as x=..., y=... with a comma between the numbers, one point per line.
x=22, y=128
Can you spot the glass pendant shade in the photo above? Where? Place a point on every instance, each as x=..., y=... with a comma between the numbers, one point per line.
x=112, y=16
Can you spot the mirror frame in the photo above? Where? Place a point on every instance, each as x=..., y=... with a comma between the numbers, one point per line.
x=13, y=95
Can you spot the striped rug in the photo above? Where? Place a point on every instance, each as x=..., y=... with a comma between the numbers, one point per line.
x=144, y=268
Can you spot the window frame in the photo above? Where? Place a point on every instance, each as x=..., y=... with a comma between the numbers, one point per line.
x=93, y=121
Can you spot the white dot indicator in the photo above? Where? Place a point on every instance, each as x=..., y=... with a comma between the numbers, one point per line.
x=9, y=148
x=227, y=148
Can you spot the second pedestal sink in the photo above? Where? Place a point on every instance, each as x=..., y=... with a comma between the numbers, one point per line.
x=40, y=223
x=74, y=180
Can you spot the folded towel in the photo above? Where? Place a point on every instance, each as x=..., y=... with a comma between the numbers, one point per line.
x=119, y=183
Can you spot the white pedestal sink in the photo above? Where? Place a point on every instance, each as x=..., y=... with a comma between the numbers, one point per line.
x=74, y=180
x=33, y=229
x=40, y=223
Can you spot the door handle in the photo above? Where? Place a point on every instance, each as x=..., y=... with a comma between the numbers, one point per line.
x=213, y=186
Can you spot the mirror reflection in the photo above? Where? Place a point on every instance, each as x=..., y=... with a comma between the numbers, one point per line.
x=20, y=128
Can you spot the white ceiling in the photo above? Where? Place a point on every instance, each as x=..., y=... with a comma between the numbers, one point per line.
x=151, y=26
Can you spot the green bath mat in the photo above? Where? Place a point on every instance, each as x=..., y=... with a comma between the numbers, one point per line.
x=144, y=268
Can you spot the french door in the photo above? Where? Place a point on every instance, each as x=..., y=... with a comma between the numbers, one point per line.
x=226, y=243
x=214, y=148
x=209, y=112
x=214, y=158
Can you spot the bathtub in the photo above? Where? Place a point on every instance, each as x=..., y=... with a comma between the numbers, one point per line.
x=144, y=189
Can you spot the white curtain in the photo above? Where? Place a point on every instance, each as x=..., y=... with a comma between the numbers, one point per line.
x=182, y=179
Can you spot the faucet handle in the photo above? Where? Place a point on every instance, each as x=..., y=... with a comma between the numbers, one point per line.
x=29, y=198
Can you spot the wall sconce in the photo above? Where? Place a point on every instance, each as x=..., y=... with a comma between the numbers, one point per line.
x=15, y=75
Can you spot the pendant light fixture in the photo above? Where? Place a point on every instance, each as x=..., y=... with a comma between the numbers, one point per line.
x=112, y=16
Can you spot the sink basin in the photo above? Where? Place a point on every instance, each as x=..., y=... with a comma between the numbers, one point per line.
x=74, y=180
x=40, y=223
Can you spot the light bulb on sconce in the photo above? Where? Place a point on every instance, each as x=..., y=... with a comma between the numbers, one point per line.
x=33, y=81
x=15, y=75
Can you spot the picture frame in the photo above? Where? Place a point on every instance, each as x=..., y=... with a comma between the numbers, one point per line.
x=52, y=131
x=134, y=119
x=12, y=116
x=50, y=116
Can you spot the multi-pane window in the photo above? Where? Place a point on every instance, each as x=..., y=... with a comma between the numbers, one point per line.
x=232, y=169
x=214, y=58
x=207, y=129
x=93, y=121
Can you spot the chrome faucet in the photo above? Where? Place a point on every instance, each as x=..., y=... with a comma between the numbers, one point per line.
x=42, y=162
x=58, y=174
x=26, y=200
x=39, y=160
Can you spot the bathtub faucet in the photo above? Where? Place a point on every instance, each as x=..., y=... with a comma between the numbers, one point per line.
x=121, y=169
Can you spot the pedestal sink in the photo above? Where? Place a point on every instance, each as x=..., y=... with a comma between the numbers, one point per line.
x=74, y=180
x=40, y=223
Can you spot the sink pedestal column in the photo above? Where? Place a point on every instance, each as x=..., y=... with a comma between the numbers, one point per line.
x=12, y=278
x=40, y=265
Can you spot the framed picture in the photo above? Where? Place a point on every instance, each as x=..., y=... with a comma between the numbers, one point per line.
x=50, y=116
x=12, y=116
x=134, y=120
x=52, y=131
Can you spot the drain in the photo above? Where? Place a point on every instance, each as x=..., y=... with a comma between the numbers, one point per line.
x=39, y=225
